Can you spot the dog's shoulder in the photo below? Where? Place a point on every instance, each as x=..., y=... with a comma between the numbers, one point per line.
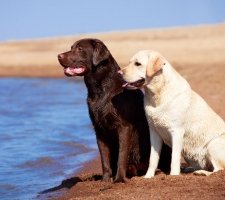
x=168, y=107
x=129, y=104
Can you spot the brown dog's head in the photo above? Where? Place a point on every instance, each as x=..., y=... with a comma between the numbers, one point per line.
x=84, y=56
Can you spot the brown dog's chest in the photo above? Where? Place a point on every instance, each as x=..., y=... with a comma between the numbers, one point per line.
x=104, y=114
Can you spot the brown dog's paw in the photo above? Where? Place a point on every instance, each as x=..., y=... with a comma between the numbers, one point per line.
x=106, y=178
x=120, y=180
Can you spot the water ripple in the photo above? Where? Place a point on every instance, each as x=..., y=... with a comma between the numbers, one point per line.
x=45, y=134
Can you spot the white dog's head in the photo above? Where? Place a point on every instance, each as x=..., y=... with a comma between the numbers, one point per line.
x=142, y=67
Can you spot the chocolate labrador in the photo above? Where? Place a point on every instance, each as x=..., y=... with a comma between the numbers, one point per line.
x=117, y=114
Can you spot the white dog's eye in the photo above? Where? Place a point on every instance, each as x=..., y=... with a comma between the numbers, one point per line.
x=137, y=64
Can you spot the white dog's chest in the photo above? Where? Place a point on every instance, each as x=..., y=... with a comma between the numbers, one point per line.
x=161, y=124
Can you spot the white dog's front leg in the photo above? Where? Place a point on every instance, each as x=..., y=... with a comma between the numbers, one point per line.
x=177, y=145
x=156, y=146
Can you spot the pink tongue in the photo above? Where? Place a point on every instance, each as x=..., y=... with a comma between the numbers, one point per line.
x=74, y=71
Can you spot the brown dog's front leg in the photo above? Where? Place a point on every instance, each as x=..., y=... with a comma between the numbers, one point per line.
x=105, y=158
x=124, y=140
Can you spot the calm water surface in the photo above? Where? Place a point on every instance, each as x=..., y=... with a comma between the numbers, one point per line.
x=45, y=134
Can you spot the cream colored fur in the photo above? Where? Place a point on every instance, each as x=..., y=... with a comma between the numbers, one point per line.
x=178, y=116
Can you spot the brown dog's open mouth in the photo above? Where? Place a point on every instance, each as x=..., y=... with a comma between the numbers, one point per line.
x=134, y=85
x=74, y=71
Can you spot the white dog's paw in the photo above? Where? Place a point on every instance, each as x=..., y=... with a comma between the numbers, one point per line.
x=202, y=173
x=175, y=172
x=149, y=174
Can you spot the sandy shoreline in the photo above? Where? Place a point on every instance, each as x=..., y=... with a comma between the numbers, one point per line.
x=31, y=72
x=89, y=171
x=87, y=185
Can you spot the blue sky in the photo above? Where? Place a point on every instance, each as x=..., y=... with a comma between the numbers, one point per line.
x=28, y=19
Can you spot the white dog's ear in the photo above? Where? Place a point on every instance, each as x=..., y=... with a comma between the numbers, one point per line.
x=155, y=63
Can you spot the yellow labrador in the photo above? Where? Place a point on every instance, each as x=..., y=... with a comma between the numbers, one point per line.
x=176, y=115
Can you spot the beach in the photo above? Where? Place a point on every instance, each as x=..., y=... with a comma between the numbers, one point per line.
x=197, y=53
x=185, y=186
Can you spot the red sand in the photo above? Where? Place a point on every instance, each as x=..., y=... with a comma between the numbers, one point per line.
x=185, y=186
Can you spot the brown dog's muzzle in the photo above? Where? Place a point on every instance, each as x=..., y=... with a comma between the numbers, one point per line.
x=61, y=57
x=71, y=69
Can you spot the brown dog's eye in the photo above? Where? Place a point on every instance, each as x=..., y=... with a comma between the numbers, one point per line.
x=137, y=64
x=80, y=48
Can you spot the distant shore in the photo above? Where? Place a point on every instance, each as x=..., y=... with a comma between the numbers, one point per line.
x=182, y=46
x=31, y=72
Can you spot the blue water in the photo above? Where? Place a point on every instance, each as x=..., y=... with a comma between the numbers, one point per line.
x=45, y=134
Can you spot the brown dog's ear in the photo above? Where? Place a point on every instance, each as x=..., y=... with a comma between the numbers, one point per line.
x=100, y=53
x=155, y=64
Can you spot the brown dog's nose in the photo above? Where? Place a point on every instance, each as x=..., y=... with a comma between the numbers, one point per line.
x=120, y=72
x=61, y=56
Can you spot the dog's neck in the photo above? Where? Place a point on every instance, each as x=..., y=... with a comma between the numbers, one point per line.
x=158, y=85
x=110, y=83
